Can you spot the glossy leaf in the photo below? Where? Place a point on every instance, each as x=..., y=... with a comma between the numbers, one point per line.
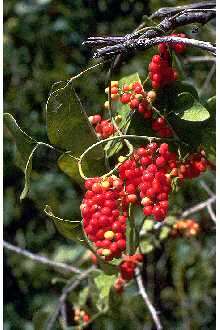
x=25, y=148
x=69, y=229
x=104, y=283
x=69, y=165
x=188, y=108
x=68, y=126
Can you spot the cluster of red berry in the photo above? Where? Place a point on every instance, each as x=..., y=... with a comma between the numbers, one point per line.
x=161, y=128
x=104, y=215
x=186, y=228
x=135, y=96
x=141, y=101
x=161, y=72
x=127, y=270
x=144, y=179
x=160, y=69
x=80, y=316
x=193, y=166
x=179, y=48
x=103, y=128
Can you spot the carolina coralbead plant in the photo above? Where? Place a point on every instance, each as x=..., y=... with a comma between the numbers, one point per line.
x=150, y=137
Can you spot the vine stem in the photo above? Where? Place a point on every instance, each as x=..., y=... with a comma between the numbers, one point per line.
x=40, y=259
x=135, y=137
x=146, y=299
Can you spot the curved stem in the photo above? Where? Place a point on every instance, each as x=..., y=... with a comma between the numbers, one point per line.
x=135, y=137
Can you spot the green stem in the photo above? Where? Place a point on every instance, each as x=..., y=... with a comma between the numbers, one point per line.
x=135, y=137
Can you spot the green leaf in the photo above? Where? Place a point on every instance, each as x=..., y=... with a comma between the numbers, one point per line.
x=68, y=126
x=83, y=296
x=104, y=283
x=132, y=235
x=124, y=111
x=68, y=164
x=164, y=232
x=188, y=108
x=69, y=229
x=25, y=148
x=138, y=216
x=167, y=96
x=40, y=319
x=146, y=246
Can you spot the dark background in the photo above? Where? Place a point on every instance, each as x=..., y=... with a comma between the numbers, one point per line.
x=42, y=45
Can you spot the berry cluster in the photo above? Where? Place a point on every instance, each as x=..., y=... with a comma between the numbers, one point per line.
x=104, y=215
x=149, y=175
x=159, y=125
x=103, y=128
x=144, y=179
x=179, y=48
x=193, y=166
x=80, y=316
x=161, y=72
x=135, y=96
x=114, y=92
x=127, y=270
x=186, y=228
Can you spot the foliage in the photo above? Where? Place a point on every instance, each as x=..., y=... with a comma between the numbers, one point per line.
x=43, y=45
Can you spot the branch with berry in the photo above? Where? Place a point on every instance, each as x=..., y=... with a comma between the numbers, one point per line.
x=168, y=132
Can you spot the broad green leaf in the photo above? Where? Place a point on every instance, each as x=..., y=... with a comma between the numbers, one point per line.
x=185, y=87
x=124, y=111
x=104, y=283
x=167, y=96
x=68, y=164
x=25, y=148
x=69, y=229
x=188, y=108
x=68, y=126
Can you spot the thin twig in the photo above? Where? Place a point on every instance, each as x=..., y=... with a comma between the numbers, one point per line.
x=199, y=59
x=180, y=16
x=211, y=212
x=206, y=188
x=206, y=84
x=146, y=299
x=170, y=11
x=198, y=207
x=73, y=283
x=41, y=259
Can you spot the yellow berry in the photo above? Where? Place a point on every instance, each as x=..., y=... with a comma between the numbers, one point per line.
x=118, y=119
x=106, y=252
x=151, y=96
x=105, y=184
x=114, y=83
x=106, y=105
x=109, y=234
